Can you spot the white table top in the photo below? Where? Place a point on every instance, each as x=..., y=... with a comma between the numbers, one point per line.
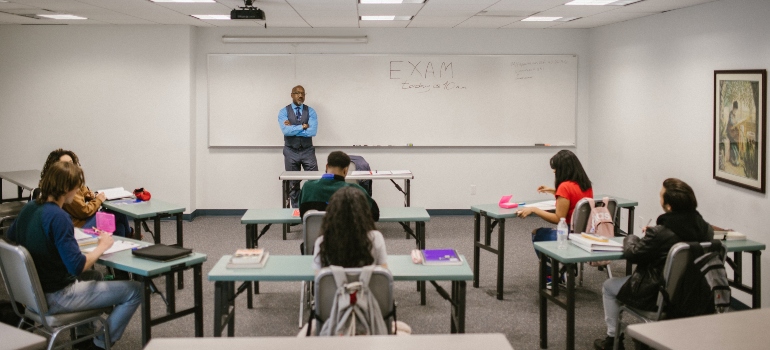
x=314, y=175
x=414, y=342
x=14, y=338
x=733, y=330
x=27, y=179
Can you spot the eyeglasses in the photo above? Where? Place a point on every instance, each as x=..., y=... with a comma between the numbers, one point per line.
x=298, y=93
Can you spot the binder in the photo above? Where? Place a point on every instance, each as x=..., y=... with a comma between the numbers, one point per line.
x=162, y=252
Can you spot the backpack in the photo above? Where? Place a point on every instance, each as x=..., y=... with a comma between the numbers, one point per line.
x=600, y=219
x=704, y=288
x=355, y=310
x=600, y=223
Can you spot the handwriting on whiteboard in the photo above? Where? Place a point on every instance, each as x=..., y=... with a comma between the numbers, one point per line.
x=528, y=70
x=423, y=76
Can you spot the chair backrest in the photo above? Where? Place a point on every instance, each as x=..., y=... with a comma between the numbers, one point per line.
x=583, y=212
x=380, y=284
x=676, y=264
x=351, y=169
x=311, y=229
x=21, y=278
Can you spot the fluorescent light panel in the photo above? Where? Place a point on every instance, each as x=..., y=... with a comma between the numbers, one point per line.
x=212, y=17
x=540, y=19
x=62, y=16
x=602, y=2
x=182, y=0
x=391, y=1
x=385, y=18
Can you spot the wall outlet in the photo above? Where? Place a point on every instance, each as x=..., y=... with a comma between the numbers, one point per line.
x=473, y=190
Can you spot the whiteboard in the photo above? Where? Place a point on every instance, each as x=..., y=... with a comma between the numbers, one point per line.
x=396, y=100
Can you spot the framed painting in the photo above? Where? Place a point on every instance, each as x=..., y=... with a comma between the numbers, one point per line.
x=739, y=127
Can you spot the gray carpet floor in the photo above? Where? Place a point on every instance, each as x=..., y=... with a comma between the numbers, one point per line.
x=276, y=308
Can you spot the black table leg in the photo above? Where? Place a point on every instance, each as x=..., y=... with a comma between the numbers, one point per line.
x=198, y=296
x=286, y=204
x=476, y=249
x=156, y=226
x=180, y=242
x=146, y=315
x=458, y=306
x=630, y=221
x=170, y=294
x=543, y=301
x=570, y=304
x=756, y=279
x=420, y=233
x=138, y=229
x=500, y=256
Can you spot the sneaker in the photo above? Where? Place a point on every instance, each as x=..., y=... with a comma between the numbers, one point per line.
x=608, y=343
x=562, y=282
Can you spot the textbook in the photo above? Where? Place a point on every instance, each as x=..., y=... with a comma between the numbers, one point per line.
x=248, y=256
x=249, y=265
x=115, y=193
x=729, y=235
x=440, y=257
x=591, y=245
x=84, y=238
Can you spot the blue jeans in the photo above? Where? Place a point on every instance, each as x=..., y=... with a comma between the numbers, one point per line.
x=544, y=234
x=84, y=295
x=610, y=290
x=122, y=227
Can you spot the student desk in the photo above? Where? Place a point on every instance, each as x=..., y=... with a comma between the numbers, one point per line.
x=146, y=270
x=23, y=179
x=494, y=215
x=253, y=217
x=19, y=339
x=299, y=268
x=574, y=255
x=570, y=256
x=733, y=330
x=495, y=341
x=287, y=176
x=755, y=249
x=153, y=209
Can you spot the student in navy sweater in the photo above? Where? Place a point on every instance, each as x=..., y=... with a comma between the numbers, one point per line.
x=46, y=231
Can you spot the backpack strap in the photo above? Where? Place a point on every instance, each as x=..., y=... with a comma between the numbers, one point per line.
x=591, y=202
x=606, y=201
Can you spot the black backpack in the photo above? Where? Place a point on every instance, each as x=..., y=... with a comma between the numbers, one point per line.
x=703, y=288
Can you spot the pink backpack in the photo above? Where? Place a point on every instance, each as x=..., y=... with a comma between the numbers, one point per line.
x=600, y=219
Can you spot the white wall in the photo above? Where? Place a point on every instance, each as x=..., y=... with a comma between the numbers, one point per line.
x=652, y=88
x=248, y=177
x=119, y=96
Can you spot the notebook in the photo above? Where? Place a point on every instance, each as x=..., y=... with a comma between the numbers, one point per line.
x=162, y=252
x=441, y=257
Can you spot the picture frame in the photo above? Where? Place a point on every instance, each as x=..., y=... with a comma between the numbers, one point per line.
x=740, y=102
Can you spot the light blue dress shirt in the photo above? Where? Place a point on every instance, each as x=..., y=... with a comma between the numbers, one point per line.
x=296, y=130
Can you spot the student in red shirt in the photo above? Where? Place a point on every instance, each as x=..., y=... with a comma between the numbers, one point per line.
x=571, y=183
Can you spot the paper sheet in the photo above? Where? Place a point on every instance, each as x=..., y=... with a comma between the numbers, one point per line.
x=544, y=205
x=116, y=247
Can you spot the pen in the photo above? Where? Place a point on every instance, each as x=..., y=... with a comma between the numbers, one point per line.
x=522, y=203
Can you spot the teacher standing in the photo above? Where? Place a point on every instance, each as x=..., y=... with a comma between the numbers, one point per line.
x=299, y=124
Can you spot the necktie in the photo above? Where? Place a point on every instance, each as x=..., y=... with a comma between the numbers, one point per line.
x=299, y=115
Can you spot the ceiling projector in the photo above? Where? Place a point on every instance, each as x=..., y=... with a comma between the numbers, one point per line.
x=248, y=11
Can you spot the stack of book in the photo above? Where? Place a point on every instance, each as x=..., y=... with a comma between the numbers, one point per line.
x=255, y=258
x=729, y=235
x=84, y=238
x=593, y=243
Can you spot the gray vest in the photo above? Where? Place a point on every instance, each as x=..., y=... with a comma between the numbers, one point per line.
x=297, y=142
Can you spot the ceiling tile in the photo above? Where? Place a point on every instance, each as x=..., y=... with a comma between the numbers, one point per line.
x=488, y=22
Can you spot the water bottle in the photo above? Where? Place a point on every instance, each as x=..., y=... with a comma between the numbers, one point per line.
x=561, y=233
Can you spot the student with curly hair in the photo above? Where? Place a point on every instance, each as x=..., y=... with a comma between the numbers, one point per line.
x=348, y=236
x=86, y=203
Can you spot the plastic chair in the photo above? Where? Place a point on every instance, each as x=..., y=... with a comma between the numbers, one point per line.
x=23, y=285
x=311, y=229
x=676, y=264
x=381, y=285
x=580, y=219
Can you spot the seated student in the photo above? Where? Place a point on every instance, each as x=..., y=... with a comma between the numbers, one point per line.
x=348, y=237
x=47, y=232
x=315, y=194
x=86, y=203
x=572, y=185
x=680, y=223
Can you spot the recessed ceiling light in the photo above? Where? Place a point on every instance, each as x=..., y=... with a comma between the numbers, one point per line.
x=540, y=19
x=385, y=18
x=62, y=16
x=602, y=2
x=227, y=17
x=391, y=1
x=182, y=0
